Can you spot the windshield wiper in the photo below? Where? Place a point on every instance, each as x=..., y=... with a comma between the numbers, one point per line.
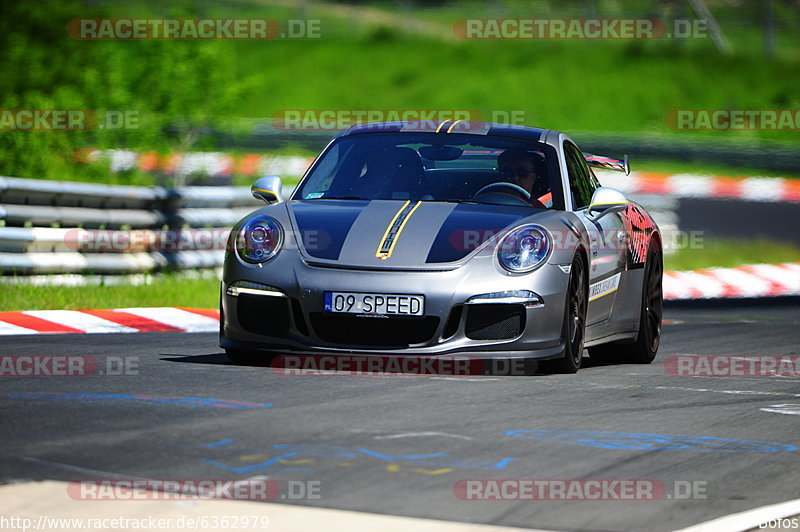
x=451, y=201
x=473, y=202
x=341, y=197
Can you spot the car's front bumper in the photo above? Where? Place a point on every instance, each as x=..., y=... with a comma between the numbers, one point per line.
x=292, y=320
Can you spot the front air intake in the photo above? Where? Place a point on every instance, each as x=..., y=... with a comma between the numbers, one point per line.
x=263, y=315
x=501, y=321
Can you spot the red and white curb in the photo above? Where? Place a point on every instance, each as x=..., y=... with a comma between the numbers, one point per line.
x=209, y=163
x=124, y=320
x=764, y=189
x=767, y=189
x=751, y=281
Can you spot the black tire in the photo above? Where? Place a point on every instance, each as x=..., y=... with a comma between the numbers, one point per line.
x=241, y=357
x=574, y=328
x=643, y=350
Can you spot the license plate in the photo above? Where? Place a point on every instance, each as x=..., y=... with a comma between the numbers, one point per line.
x=381, y=304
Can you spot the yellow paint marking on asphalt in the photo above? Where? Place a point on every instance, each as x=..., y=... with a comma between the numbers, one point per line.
x=252, y=457
x=395, y=468
x=434, y=471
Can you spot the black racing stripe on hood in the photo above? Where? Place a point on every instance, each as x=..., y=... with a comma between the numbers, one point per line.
x=324, y=224
x=468, y=226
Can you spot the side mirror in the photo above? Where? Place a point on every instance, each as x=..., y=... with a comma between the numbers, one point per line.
x=606, y=200
x=268, y=188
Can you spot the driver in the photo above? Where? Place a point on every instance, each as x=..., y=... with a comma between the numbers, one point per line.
x=516, y=167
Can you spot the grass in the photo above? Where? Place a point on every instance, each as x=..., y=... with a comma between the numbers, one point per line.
x=177, y=291
x=548, y=82
x=383, y=62
x=726, y=253
x=165, y=291
x=566, y=85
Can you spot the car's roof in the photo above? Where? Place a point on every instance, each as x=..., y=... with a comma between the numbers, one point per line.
x=448, y=126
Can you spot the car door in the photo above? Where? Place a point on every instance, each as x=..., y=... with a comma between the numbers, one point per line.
x=606, y=258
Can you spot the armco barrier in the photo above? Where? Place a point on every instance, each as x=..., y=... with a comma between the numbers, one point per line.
x=74, y=262
x=15, y=190
x=36, y=217
x=40, y=215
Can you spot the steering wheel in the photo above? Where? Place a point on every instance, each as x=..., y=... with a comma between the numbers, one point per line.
x=504, y=184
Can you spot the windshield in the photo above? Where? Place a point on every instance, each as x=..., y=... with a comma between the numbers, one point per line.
x=436, y=167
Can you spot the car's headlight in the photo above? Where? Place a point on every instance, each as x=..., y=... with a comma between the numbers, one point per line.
x=259, y=239
x=524, y=249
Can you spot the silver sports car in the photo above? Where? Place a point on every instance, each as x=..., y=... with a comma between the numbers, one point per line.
x=417, y=238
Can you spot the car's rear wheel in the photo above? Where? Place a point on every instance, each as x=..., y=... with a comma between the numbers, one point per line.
x=644, y=349
x=574, y=328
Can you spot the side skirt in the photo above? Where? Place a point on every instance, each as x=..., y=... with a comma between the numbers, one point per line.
x=614, y=337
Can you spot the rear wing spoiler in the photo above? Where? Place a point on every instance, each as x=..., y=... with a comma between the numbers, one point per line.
x=598, y=161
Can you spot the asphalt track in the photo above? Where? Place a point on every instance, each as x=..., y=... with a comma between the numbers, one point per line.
x=397, y=444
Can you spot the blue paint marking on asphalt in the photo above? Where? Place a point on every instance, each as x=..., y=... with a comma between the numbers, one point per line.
x=252, y=467
x=302, y=452
x=220, y=443
x=316, y=450
x=503, y=463
x=652, y=442
x=152, y=400
x=401, y=456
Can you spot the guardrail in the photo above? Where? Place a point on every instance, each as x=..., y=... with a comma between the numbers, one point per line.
x=44, y=222
x=46, y=226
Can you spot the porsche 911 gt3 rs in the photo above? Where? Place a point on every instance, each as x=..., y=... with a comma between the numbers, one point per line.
x=416, y=238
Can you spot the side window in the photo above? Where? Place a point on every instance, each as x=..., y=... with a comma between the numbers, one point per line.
x=593, y=178
x=581, y=182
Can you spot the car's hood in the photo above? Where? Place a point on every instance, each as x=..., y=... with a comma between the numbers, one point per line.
x=397, y=234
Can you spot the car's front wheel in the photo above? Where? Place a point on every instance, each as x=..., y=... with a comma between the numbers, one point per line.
x=574, y=328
